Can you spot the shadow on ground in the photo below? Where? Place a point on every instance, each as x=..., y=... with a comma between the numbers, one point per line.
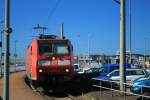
x=74, y=88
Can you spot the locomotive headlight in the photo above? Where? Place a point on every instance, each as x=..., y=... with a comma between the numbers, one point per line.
x=40, y=70
x=53, y=58
x=67, y=70
x=43, y=62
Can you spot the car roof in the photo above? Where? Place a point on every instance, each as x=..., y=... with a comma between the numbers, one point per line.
x=129, y=69
x=109, y=65
x=75, y=64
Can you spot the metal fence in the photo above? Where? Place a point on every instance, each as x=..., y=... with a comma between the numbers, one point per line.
x=113, y=86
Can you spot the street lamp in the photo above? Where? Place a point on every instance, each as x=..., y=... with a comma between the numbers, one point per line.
x=15, y=54
x=89, y=48
x=130, y=32
x=78, y=54
x=1, y=61
x=8, y=30
x=122, y=43
x=144, y=49
x=1, y=32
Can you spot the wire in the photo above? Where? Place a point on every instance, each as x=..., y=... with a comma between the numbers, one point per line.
x=117, y=1
x=54, y=9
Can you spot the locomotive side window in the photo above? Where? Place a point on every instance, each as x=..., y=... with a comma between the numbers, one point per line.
x=61, y=49
x=45, y=48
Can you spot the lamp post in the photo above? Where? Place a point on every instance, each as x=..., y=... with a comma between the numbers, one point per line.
x=15, y=54
x=1, y=60
x=8, y=30
x=144, y=49
x=89, y=48
x=122, y=43
x=1, y=32
x=78, y=54
x=130, y=42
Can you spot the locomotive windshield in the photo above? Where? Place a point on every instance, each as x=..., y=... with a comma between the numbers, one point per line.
x=61, y=49
x=45, y=48
x=55, y=47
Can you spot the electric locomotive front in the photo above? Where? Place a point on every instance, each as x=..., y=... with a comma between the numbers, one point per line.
x=54, y=58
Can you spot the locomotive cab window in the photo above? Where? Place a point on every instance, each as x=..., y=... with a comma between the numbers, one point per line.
x=45, y=48
x=61, y=49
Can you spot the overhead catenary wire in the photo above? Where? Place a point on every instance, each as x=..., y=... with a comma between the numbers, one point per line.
x=54, y=9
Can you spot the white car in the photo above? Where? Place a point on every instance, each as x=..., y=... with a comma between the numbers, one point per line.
x=80, y=70
x=131, y=74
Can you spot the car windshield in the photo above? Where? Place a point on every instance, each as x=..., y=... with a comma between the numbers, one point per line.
x=76, y=67
x=115, y=73
x=102, y=70
x=107, y=69
x=80, y=69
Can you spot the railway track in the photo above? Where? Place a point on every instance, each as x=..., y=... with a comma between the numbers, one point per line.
x=50, y=95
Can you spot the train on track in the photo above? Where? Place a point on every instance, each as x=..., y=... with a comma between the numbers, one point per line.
x=49, y=59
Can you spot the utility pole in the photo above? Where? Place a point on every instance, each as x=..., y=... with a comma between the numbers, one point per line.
x=1, y=60
x=78, y=54
x=8, y=30
x=1, y=53
x=15, y=55
x=89, y=48
x=130, y=32
x=122, y=45
x=144, y=50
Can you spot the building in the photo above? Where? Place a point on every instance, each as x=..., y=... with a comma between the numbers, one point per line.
x=136, y=59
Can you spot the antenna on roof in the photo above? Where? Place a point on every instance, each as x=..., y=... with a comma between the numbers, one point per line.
x=62, y=31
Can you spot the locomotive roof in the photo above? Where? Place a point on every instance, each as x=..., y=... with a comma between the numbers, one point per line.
x=49, y=36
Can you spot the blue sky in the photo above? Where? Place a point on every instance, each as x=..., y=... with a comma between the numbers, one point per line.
x=98, y=19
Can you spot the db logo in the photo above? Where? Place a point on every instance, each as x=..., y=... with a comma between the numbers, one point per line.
x=54, y=62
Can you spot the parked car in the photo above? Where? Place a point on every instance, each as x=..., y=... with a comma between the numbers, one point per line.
x=76, y=67
x=79, y=70
x=131, y=74
x=93, y=70
x=107, y=68
x=104, y=70
x=141, y=86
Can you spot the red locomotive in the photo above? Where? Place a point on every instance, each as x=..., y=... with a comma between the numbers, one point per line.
x=49, y=58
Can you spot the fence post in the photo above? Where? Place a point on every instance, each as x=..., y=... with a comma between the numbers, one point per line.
x=100, y=89
x=111, y=90
x=124, y=92
x=142, y=92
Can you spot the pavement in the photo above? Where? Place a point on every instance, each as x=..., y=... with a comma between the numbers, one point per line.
x=18, y=89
